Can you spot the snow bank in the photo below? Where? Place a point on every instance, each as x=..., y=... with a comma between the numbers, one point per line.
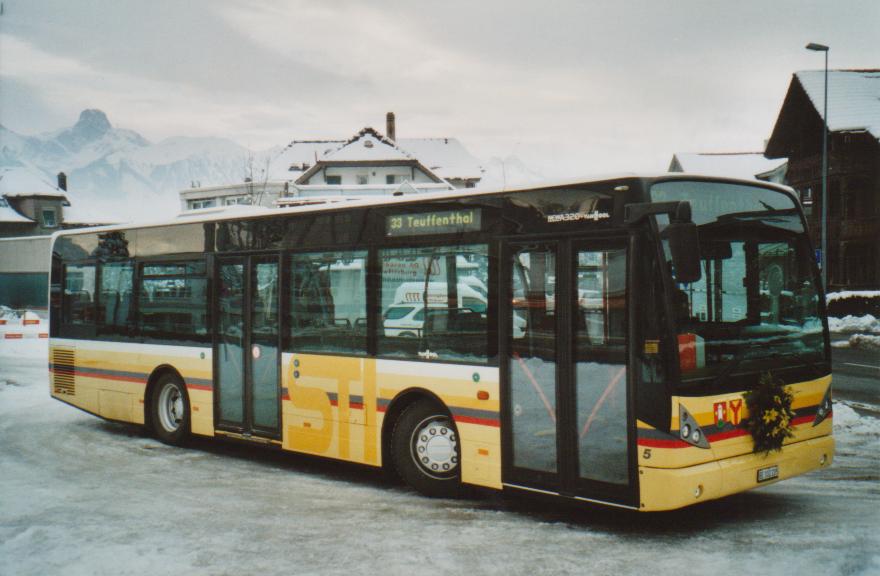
x=866, y=324
x=7, y=313
x=835, y=296
x=864, y=341
x=849, y=425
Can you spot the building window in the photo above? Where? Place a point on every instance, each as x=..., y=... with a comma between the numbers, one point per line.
x=807, y=201
x=333, y=180
x=390, y=179
x=362, y=179
x=858, y=264
x=807, y=196
x=196, y=204
x=49, y=218
x=237, y=200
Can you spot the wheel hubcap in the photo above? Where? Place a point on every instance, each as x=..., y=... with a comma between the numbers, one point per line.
x=170, y=407
x=435, y=446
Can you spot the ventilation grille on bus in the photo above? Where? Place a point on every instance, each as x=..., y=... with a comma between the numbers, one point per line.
x=63, y=362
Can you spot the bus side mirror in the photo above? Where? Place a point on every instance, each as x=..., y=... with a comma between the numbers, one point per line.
x=684, y=244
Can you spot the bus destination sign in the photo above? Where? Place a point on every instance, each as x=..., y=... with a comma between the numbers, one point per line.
x=445, y=222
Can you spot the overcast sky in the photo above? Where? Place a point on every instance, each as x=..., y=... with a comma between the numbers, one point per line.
x=568, y=86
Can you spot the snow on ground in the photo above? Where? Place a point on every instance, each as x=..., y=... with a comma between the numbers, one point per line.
x=861, y=331
x=81, y=496
x=863, y=341
x=866, y=324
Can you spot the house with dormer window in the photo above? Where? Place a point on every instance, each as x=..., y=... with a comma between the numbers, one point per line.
x=31, y=209
x=367, y=164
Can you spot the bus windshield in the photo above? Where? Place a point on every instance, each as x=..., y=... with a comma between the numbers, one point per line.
x=756, y=305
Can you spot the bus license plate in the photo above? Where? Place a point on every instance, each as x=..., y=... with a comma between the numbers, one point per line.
x=768, y=473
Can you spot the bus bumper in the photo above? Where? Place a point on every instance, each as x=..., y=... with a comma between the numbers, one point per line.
x=668, y=489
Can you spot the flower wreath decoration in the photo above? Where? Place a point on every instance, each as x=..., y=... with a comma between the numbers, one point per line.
x=770, y=414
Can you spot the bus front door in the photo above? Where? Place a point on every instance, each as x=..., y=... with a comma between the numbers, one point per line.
x=568, y=428
x=247, y=348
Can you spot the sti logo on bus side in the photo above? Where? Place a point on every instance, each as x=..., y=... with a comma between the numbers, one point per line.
x=721, y=413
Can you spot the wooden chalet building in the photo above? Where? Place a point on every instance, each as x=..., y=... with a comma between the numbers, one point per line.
x=853, y=167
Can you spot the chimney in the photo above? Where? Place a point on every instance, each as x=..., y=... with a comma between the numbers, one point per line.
x=62, y=181
x=390, y=129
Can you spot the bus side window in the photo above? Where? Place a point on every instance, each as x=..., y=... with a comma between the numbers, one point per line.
x=328, y=302
x=434, y=303
x=79, y=294
x=173, y=301
x=115, y=313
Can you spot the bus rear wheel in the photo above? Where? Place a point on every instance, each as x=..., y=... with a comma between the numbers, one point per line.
x=169, y=410
x=426, y=451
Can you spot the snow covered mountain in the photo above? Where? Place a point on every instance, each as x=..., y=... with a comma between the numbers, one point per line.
x=509, y=171
x=121, y=173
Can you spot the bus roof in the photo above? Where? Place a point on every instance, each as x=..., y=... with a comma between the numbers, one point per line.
x=329, y=204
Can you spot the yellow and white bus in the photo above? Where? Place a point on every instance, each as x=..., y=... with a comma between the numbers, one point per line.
x=589, y=340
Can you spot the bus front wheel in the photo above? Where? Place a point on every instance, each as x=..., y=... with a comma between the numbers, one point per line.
x=169, y=407
x=426, y=450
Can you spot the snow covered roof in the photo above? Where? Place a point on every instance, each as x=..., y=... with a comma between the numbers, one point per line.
x=447, y=157
x=853, y=98
x=298, y=156
x=10, y=215
x=729, y=164
x=365, y=148
x=368, y=146
x=21, y=182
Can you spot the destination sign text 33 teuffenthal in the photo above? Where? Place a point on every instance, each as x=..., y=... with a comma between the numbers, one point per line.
x=446, y=222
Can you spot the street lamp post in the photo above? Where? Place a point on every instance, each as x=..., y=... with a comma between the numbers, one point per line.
x=822, y=48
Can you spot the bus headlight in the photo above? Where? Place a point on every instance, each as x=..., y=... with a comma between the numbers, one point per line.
x=825, y=408
x=689, y=430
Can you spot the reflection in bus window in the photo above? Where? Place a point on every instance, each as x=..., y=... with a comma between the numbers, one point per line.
x=328, y=302
x=115, y=302
x=600, y=369
x=79, y=294
x=755, y=308
x=173, y=300
x=453, y=281
x=533, y=359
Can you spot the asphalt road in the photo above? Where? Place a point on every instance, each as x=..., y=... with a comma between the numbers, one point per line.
x=856, y=375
